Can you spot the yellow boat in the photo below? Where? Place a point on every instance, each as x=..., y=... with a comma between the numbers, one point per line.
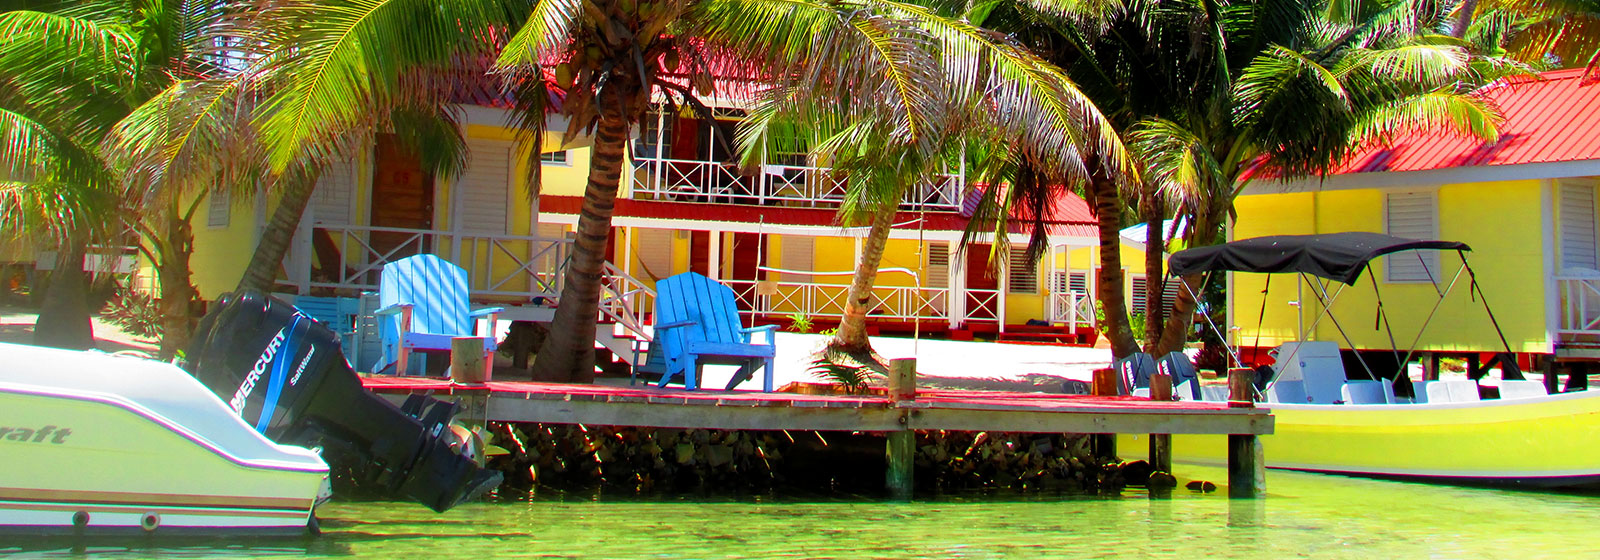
x=1539, y=441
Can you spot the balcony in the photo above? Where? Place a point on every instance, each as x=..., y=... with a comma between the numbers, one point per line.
x=797, y=186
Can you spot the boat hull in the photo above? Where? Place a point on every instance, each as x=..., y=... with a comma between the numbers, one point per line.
x=1535, y=442
x=80, y=461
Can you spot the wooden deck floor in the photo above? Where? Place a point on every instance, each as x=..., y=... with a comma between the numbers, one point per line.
x=515, y=401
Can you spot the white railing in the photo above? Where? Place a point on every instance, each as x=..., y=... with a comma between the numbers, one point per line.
x=1072, y=308
x=789, y=185
x=901, y=303
x=624, y=299
x=983, y=305
x=1580, y=305
x=496, y=265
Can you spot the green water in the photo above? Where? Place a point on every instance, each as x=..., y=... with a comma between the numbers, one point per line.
x=1304, y=516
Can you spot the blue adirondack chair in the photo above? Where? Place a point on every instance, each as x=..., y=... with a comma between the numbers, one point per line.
x=697, y=322
x=424, y=298
x=339, y=315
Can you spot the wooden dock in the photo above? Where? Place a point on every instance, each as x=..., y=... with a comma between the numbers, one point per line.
x=518, y=401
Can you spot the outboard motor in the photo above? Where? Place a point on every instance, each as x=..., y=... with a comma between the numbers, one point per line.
x=286, y=374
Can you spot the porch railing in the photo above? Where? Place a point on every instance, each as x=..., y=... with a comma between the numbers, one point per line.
x=789, y=185
x=1072, y=308
x=1580, y=305
x=625, y=300
x=352, y=257
x=900, y=303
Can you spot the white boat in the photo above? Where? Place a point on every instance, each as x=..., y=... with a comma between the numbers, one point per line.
x=96, y=444
x=1434, y=431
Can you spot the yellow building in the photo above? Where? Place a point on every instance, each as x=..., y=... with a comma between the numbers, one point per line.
x=1525, y=204
x=770, y=235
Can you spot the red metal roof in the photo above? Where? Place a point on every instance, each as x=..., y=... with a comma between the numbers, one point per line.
x=1552, y=118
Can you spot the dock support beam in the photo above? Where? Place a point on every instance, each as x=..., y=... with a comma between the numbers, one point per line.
x=1247, y=474
x=1104, y=446
x=1161, y=444
x=902, y=445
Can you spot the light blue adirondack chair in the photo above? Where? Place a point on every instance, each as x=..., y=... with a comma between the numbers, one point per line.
x=424, y=298
x=340, y=315
x=697, y=322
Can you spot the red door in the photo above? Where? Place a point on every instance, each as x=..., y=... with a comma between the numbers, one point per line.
x=986, y=302
x=402, y=197
x=700, y=252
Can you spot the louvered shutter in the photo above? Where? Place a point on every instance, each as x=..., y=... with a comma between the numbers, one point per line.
x=938, y=265
x=654, y=252
x=1413, y=216
x=484, y=188
x=1021, y=277
x=217, y=209
x=797, y=253
x=1578, y=232
x=1137, y=295
x=331, y=202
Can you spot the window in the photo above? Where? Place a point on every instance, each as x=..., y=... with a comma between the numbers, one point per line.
x=655, y=140
x=938, y=265
x=1138, y=294
x=1022, y=277
x=796, y=254
x=1577, y=222
x=483, y=188
x=1075, y=282
x=554, y=158
x=218, y=209
x=1412, y=215
x=331, y=201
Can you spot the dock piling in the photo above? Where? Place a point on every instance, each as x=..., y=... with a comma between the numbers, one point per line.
x=900, y=450
x=1104, y=445
x=1247, y=475
x=1161, y=444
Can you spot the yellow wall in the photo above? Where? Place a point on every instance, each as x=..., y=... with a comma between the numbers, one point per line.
x=1502, y=222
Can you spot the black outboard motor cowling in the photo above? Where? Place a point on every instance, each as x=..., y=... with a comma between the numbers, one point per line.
x=286, y=374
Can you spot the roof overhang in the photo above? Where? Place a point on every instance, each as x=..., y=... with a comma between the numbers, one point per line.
x=1430, y=177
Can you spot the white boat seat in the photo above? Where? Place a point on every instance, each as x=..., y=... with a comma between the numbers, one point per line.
x=1287, y=391
x=1368, y=392
x=1521, y=389
x=1456, y=390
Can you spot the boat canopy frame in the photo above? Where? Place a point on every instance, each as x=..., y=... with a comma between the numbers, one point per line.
x=1330, y=257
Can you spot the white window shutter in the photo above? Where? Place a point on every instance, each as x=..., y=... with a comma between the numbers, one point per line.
x=332, y=201
x=654, y=252
x=1577, y=222
x=1137, y=294
x=484, y=188
x=1412, y=215
x=1021, y=277
x=797, y=253
x=938, y=265
x=218, y=208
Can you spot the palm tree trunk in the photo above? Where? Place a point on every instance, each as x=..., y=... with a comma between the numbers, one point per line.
x=265, y=263
x=568, y=353
x=1113, y=302
x=1155, y=284
x=64, y=315
x=177, y=289
x=851, y=337
x=1178, y=325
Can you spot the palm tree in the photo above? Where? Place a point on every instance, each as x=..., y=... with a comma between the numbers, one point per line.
x=984, y=89
x=1210, y=95
x=612, y=58
x=124, y=83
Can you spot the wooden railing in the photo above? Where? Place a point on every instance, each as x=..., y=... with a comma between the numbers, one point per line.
x=347, y=257
x=1072, y=308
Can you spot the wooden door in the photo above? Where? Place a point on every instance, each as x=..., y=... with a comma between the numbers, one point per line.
x=402, y=197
